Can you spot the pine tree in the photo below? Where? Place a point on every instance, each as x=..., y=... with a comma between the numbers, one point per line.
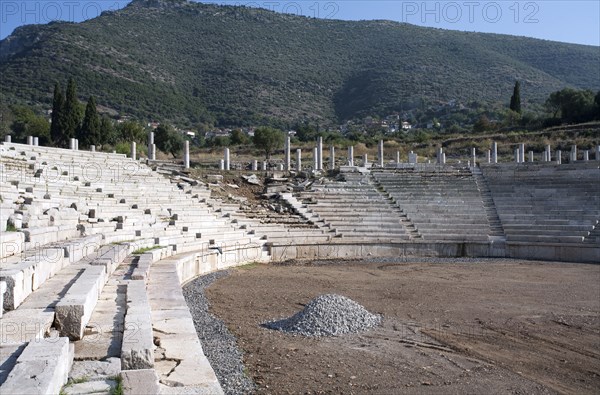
x=89, y=132
x=515, y=100
x=71, y=114
x=58, y=103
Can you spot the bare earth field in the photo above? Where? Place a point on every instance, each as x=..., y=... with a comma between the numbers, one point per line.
x=495, y=326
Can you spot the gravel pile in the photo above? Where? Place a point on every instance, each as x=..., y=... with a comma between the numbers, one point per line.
x=218, y=344
x=328, y=315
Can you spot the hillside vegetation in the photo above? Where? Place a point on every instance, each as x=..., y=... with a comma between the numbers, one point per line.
x=191, y=63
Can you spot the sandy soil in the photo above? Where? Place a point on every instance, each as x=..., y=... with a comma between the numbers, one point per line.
x=488, y=327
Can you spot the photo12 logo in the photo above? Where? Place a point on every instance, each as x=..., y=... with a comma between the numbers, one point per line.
x=469, y=12
x=29, y=12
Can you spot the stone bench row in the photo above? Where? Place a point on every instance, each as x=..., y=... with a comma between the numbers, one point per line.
x=73, y=311
x=27, y=275
x=42, y=367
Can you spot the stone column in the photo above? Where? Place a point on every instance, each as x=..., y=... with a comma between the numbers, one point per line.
x=548, y=154
x=153, y=151
x=494, y=152
x=221, y=164
x=517, y=155
x=351, y=155
x=36, y=141
x=521, y=153
x=93, y=148
x=488, y=156
x=412, y=157
x=226, y=159
x=8, y=138
x=316, y=158
x=531, y=156
x=264, y=165
x=254, y=165
x=586, y=155
x=474, y=156
x=443, y=158
x=71, y=143
x=440, y=151
x=332, y=157
x=574, y=153
x=186, y=154
x=29, y=140
x=133, y=150
x=320, y=153
x=287, y=159
x=598, y=152
x=365, y=160
x=559, y=157
x=397, y=156
x=298, y=160
x=150, y=144
x=380, y=153
x=76, y=144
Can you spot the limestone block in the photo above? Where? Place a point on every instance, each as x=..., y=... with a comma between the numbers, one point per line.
x=74, y=310
x=105, y=386
x=143, y=381
x=25, y=325
x=26, y=276
x=137, y=349
x=42, y=368
x=11, y=243
x=2, y=290
x=95, y=369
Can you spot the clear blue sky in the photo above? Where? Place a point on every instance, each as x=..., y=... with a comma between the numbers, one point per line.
x=558, y=20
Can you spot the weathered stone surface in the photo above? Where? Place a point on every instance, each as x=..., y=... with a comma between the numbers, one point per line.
x=25, y=325
x=74, y=310
x=95, y=370
x=42, y=368
x=2, y=290
x=143, y=381
x=91, y=387
x=8, y=358
x=137, y=349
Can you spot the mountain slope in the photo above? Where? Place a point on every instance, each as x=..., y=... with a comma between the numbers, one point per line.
x=191, y=63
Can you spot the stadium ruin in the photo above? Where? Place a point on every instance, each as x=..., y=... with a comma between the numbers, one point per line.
x=96, y=246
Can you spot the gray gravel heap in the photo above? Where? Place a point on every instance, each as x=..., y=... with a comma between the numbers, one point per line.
x=328, y=315
x=218, y=344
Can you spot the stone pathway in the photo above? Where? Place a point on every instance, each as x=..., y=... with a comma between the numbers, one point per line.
x=97, y=361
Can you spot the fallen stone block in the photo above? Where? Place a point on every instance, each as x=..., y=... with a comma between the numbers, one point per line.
x=74, y=310
x=42, y=368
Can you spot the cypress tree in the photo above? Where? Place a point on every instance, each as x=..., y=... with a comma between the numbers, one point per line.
x=72, y=116
x=89, y=132
x=58, y=103
x=515, y=100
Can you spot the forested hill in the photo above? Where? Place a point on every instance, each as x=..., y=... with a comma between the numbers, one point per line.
x=191, y=63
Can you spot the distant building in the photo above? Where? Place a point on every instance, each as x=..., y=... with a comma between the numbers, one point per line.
x=406, y=126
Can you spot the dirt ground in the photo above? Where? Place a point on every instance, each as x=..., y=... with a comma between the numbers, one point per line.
x=449, y=328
